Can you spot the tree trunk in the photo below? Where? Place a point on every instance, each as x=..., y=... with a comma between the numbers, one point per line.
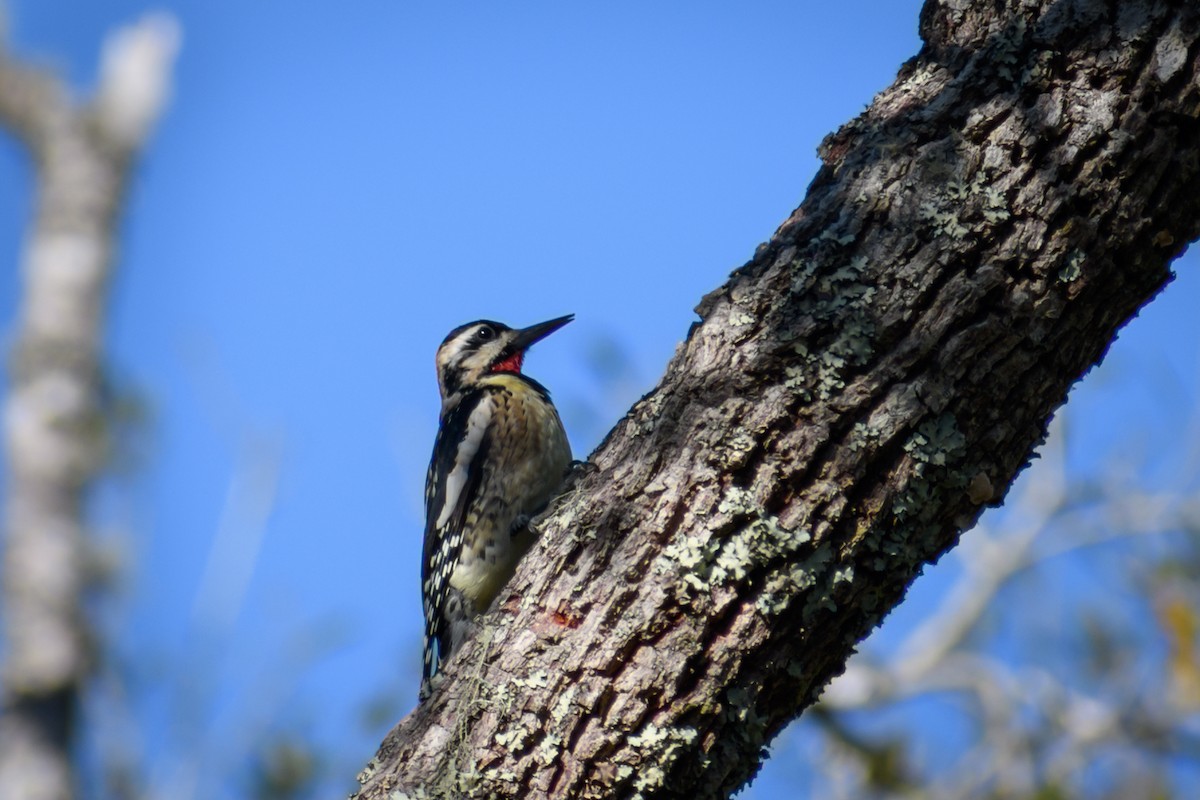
x=54, y=417
x=848, y=403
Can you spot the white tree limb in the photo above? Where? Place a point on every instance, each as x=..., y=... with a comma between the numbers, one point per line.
x=54, y=418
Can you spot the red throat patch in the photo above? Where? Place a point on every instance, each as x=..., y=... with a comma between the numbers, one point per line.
x=510, y=364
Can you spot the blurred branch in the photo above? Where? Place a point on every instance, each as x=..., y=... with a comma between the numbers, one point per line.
x=1035, y=730
x=54, y=419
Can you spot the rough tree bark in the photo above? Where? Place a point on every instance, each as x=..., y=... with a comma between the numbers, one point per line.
x=54, y=417
x=847, y=404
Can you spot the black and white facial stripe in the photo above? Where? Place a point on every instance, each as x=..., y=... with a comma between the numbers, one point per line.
x=467, y=353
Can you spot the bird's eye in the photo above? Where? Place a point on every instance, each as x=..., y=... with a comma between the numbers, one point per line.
x=483, y=334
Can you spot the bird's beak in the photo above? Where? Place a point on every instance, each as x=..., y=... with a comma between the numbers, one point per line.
x=527, y=337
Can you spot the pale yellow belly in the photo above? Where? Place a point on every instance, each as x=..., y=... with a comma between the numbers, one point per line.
x=526, y=461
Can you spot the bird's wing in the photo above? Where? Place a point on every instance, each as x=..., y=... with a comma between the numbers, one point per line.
x=455, y=471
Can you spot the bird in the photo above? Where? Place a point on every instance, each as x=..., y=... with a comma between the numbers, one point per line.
x=500, y=454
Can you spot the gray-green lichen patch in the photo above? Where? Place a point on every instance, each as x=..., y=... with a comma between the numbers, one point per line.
x=741, y=319
x=703, y=564
x=748, y=730
x=820, y=598
x=796, y=377
x=825, y=371
x=416, y=794
x=936, y=442
x=513, y=739
x=938, y=450
x=563, y=704
x=367, y=771
x=1005, y=47
x=960, y=208
x=548, y=749
x=846, y=280
x=1072, y=267
x=838, y=299
x=864, y=436
x=995, y=205
x=792, y=579
x=657, y=749
x=645, y=414
x=835, y=289
x=536, y=680
x=500, y=695
x=741, y=708
x=734, y=451
x=466, y=783
x=854, y=342
x=803, y=271
x=838, y=237
x=943, y=223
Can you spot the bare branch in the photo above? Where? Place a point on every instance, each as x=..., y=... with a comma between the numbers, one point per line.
x=54, y=419
x=135, y=74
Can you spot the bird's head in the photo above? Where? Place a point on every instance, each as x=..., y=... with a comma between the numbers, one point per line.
x=479, y=348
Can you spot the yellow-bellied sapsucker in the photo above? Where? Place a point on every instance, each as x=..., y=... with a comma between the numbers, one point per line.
x=499, y=456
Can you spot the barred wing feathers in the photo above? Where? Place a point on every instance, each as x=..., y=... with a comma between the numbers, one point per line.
x=455, y=473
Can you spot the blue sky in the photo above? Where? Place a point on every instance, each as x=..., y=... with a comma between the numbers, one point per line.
x=335, y=186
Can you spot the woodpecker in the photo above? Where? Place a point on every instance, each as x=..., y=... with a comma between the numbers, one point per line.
x=500, y=454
